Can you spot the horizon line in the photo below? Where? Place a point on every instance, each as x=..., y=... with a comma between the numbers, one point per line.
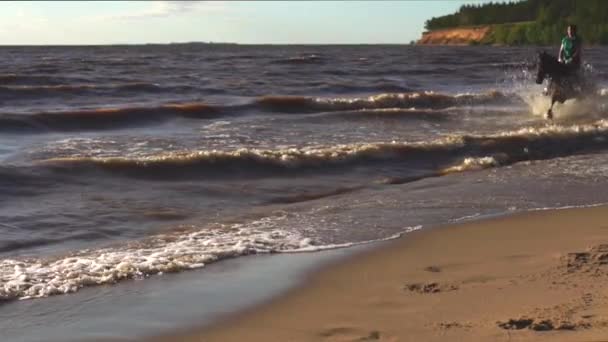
x=205, y=43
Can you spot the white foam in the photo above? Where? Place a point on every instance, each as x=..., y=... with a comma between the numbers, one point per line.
x=472, y=164
x=538, y=104
x=596, y=126
x=159, y=254
x=164, y=253
x=593, y=106
x=465, y=218
x=582, y=206
x=407, y=100
x=312, y=248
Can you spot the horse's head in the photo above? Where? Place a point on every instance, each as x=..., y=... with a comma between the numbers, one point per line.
x=542, y=67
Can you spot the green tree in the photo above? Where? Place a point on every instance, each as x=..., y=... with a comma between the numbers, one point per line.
x=603, y=34
x=546, y=20
x=533, y=34
x=517, y=35
x=500, y=34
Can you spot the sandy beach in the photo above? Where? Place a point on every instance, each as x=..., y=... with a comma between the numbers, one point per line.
x=537, y=276
x=304, y=171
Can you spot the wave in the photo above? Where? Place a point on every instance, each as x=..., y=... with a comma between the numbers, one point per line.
x=45, y=68
x=311, y=196
x=424, y=114
x=526, y=144
x=117, y=62
x=388, y=113
x=125, y=89
x=186, y=249
x=32, y=80
x=305, y=59
x=531, y=143
x=387, y=100
x=112, y=118
x=474, y=164
x=242, y=162
x=104, y=118
x=165, y=253
x=378, y=86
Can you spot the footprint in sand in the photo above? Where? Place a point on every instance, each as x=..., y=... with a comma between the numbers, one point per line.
x=591, y=260
x=540, y=325
x=516, y=324
x=433, y=269
x=455, y=325
x=349, y=334
x=429, y=288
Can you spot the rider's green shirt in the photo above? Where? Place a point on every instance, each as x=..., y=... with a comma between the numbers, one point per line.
x=570, y=46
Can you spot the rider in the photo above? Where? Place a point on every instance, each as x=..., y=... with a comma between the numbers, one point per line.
x=570, y=51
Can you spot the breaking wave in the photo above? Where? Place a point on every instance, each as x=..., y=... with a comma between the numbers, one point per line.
x=304, y=59
x=17, y=92
x=390, y=113
x=388, y=100
x=104, y=118
x=43, y=80
x=188, y=249
x=531, y=143
x=473, y=164
x=110, y=118
x=347, y=87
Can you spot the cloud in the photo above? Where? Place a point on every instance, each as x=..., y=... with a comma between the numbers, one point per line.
x=165, y=9
x=24, y=20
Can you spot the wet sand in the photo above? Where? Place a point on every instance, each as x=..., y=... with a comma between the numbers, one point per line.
x=538, y=276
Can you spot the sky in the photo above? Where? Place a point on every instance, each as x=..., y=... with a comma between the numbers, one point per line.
x=245, y=22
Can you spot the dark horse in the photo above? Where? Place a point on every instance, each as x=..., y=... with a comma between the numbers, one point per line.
x=565, y=82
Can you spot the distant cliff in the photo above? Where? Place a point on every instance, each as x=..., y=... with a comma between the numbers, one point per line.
x=456, y=36
x=526, y=22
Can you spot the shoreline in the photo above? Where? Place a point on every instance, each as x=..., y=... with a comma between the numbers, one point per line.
x=132, y=309
x=520, y=264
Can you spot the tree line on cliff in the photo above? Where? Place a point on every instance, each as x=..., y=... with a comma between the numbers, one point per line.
x=541, y=22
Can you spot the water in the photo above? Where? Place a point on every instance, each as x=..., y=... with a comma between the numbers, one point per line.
x=124, y=162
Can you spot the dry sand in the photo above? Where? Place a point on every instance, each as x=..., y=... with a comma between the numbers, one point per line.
x=540, y=276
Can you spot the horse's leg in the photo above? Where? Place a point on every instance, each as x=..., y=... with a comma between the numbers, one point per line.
x=553, y=92
x=550, y=111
